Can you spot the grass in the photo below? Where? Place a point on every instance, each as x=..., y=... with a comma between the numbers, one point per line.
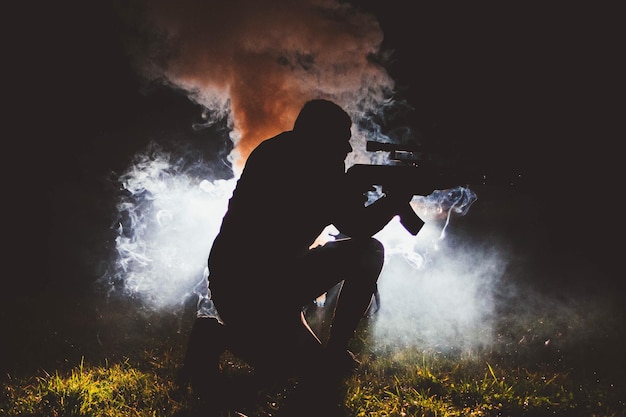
x=109, y=390
x=437, y=386
x=392, y=381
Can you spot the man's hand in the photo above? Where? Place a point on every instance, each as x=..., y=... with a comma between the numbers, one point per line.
x=401, y=197
x=398, y=194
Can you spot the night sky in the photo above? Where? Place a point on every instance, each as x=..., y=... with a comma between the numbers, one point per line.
x=529, y=87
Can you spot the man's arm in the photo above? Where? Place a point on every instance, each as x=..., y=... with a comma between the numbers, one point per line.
x=356, y=220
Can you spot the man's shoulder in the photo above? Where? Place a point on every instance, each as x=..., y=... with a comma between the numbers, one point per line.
x=281, y=138
x=275, y=144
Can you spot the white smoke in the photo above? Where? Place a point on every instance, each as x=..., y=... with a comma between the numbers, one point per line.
x=445, y=300
x=255, y=67
x=168, y=222
x=170, y=218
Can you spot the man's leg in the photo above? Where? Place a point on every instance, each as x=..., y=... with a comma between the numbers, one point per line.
x=267, y=332
x=358, y=262
x=356, y=294
x=264, y=323
x=206, y=343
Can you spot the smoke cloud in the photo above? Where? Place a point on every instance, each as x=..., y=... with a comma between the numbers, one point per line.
x=258, y=62
x=168, y=220
x=254, y=64
x=438, y=297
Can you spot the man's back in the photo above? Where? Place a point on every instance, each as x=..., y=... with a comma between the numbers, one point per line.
x=277, y=210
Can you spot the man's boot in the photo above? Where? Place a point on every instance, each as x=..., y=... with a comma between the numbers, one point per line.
x=207, y=342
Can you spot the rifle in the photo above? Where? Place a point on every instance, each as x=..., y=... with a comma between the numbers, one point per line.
x=417, y=170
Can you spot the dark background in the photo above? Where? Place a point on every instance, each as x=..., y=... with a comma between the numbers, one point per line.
x=534, y=87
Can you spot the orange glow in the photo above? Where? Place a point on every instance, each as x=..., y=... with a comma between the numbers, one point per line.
x=257, y=120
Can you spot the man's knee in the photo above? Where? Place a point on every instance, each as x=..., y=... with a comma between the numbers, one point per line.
x=370, y=255
x=376, y=247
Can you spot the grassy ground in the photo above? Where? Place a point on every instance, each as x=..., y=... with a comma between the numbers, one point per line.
x=79, y=356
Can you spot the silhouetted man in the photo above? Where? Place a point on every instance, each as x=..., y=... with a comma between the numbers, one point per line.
x=262, y=269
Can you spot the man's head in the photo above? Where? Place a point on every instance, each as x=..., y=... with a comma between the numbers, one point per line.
x=326, y=125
